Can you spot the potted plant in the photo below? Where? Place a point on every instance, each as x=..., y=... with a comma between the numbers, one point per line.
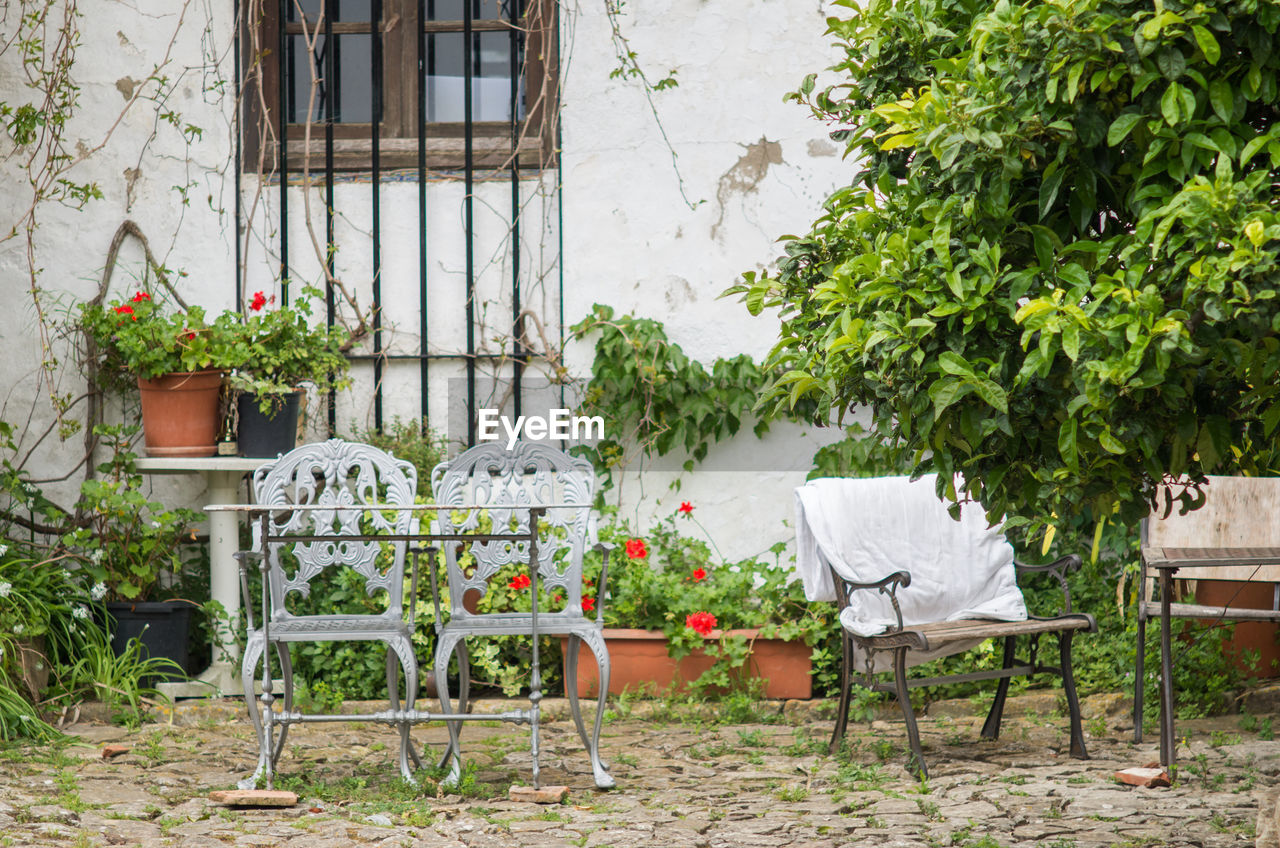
x=173, y=356
x=275, y=351
x=134, y=552
x=677, y=614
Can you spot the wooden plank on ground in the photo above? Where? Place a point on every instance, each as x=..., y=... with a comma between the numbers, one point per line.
x=254, y=797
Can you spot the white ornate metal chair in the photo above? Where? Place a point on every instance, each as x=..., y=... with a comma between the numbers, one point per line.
x=528, y=475
x=338, y=474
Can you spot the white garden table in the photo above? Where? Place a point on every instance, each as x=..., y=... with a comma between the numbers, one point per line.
x=222, y=476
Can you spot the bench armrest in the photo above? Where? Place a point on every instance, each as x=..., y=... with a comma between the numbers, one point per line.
x=885, y=586
x=1058, y=568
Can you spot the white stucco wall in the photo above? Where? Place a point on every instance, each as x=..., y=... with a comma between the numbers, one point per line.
x=753, y=168
x=641, y=232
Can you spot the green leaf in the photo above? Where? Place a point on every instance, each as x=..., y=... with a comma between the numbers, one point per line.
x=1171, y=104
x=1252, y=147
x=1222, y=98
x=1049, y=190
x=992, y=394
x=1207, y=43
x=953, y=363
x=1071, y=341
x=1067, y=443
x=1110, y=443
x=1122, y=126
x=1256, y=232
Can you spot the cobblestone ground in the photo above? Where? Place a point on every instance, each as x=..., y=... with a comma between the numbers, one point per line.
x=764, y=780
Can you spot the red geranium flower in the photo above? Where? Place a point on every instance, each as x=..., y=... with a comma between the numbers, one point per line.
x=701, y=623
x=636, y=549
x=520, y=581
x=699, y=574
x=685, y=507
x=259, y=301
x=141, y=296
x=588, y=604
x=126, y=309
x=189, y=335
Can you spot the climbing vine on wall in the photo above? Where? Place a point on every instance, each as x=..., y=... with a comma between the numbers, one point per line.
x=654, y=399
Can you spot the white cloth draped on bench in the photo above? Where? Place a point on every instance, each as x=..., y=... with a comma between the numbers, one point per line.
x=866, y=529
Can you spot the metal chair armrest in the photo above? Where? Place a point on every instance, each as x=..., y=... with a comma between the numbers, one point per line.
x=887, y=585
x=1058, y=568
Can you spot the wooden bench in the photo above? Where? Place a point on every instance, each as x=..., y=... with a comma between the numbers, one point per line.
x=939, y=635
x=1238, y=514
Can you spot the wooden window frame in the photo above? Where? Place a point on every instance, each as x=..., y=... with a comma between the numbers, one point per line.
x=492, y=146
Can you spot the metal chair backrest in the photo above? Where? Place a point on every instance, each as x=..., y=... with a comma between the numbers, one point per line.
x=529, y=474
x=344, y=475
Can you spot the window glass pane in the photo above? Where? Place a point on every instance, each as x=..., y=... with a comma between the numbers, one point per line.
x=301, y=64
x=481, y=10
x=490, y=82
x=352, y=88
x=354, y=10
x=345, y=10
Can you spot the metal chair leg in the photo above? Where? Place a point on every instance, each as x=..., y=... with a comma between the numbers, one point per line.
x=286, y=676
x=400, y=656
x=599, y=768
x=1073, y=701
x=991, y=728
x=842, y=709
x=452, y=753
x=904, y=700
x=248, y=673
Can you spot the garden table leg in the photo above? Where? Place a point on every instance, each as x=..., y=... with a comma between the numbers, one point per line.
x=1168, y=744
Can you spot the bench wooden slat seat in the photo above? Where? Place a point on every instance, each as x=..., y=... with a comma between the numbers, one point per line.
x=928, y=637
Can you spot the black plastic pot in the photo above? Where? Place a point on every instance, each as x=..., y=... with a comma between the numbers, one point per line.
x=271, y=434
x=163, y=628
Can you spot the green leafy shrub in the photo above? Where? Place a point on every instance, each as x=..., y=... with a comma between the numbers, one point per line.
x=1054, y=266
x=136, y=549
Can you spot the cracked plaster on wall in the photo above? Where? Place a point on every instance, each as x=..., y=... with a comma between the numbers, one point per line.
x=746, y=175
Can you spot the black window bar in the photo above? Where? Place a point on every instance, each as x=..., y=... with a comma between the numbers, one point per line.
x=332, y=72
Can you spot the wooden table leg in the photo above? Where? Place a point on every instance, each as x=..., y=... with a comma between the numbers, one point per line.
x=1168, y=741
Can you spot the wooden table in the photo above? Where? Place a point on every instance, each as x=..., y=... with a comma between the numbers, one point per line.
x=1237, y=563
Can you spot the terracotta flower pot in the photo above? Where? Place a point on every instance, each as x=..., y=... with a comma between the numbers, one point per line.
x=638, y=660
x=180, y=413
x=1259, y=636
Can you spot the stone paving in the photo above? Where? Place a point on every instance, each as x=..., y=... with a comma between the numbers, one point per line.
x=683, y=780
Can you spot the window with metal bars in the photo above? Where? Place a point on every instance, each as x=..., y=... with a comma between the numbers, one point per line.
x=393, y=75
